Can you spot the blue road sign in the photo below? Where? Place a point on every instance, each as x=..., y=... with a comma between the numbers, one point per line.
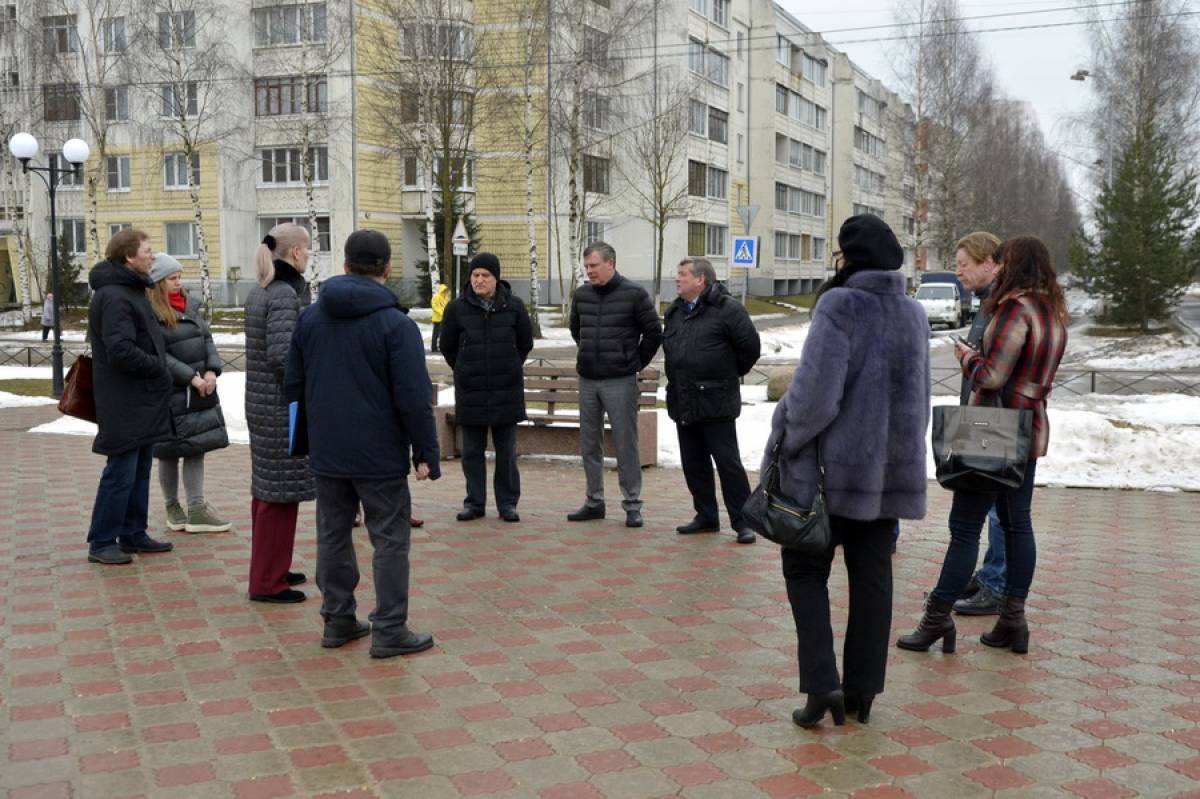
x=745, y=251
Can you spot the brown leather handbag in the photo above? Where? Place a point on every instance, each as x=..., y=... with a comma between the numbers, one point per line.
x=78, y=398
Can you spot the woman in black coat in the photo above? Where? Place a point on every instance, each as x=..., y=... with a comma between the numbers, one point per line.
x=486, y=336
x=132, y=389
x=199, y=425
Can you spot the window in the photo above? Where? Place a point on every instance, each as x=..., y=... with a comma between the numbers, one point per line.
x=714, y=238
x=718, y=125
x=595, y=231
x=697, y=178
x=699, y=6
x=799, y=155
x=116, y=104
x=181, y=239
x=696, y=56
x=783, y=51
x=441, y=41
x=409, y=171
x=814, y=69
x=798, y=201
x=720, y=12
x=707, y=62
x=869, y=106
x=868, y=180
x=291, y=94
x=322, y=240
x=860, y=209
x=595, y=111
x=176, y=30
x=869, y=143
x=818, y=249
x=174, y=103
x=410, y=109
x=175, y=170
x=67, y=179
x=718, y=183
x=113, y=34
x=781, y=98
x=595, y=46
x=60, y=102
x=595, y=174
x=59, y=35
x=697, y=117
x=289, y=24
x=696, y=239
x=741, y=97
x=909, y=225
x=740, y=148
x=465, y=169
x=284, y=166
x=800, y=108
x=741, y=45
x=73, y=233
x=116, y=227
x=118, y=172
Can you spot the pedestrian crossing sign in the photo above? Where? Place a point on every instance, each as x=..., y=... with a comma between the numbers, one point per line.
x=745, y=251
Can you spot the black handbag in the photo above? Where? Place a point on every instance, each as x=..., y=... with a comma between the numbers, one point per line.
x=777, y=519
x=981, y=449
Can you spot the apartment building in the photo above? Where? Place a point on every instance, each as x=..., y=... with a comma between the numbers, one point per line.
x=784, y=136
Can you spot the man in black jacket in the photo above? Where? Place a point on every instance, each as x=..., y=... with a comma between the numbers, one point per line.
x=709, y=344
x=614, y=322
x=486, y=336
x=133, y=393
x=357, y=366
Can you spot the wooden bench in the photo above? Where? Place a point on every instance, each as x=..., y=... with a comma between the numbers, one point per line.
x=555, y=430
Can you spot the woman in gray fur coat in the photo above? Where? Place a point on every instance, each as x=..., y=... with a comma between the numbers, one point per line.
x=279, y=482
x=199, y=425
x=858, y=407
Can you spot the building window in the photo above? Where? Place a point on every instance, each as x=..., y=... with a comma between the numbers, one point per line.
x=595, y=111
x=798, y=201
x=438, y=42
x=181, y=239
x=288, y=95
x=696, y=241
x=699, y=6
x=410, y=172
x=714, y=238
x=818, y=249
x=910, y=227
x=67, y=179
x=861, y=209
x=697, y=178
x=707, y=62
x=465, y=168
x=116, y=104
x=113, y=34
x=869, y=106
x=783, y=51
x=175, y=104
x=60, y=102
x=869, y=143
x=289, y=24
x=595, y=174
x=718, y=183
x=741, y=45
x=697, y=117
x=116, y=227
x=595, y=231
x=720, y=12
x=814, y=69
x=869, y=181
x=284, y=166
x=740, y=148
x=322, y=240
x=799, y=155
x=741, y=97
x=595, y=46
x=118, y=172
x=176, y=30
x=73, y=233
x=59, y=34
x=175, y=170
x=781, y=98
x=718, y=125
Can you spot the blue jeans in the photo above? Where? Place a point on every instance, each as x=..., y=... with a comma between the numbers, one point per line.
x=991, y=573
x=122, y=499
x=967, y=515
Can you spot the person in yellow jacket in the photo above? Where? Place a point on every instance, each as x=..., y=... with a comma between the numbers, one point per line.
x=440, y=299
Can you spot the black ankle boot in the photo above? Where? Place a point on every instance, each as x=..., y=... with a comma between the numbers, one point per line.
x=935, y=623
x=861, y=704
x=815, y=708
x=1011, y=630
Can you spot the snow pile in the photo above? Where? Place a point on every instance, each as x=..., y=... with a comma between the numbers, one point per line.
x=783, y=343
x=1080, y=304
x=20, y=401
x=1162, y=352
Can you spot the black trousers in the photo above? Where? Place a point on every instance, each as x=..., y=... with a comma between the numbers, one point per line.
x=506, y=481
x=435, y=336
x=866, y=548
x=702, y=444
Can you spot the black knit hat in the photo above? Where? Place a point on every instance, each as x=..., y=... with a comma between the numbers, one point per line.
x=867, y=242
x=485, y=260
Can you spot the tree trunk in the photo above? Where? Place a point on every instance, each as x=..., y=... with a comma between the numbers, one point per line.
x=435, y=270
x=206, y=297
x=530, y=227
x=575, y=214
x=23, y=269
x=314, y=264
x=94, y=213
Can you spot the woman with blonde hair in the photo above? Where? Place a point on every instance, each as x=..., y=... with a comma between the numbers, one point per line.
x=279, y=482
x=199, y=425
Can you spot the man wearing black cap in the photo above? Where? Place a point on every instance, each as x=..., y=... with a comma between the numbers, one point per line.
x=357, y=365
x=486, y=336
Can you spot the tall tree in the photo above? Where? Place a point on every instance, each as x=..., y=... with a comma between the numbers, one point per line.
x=14, y=191
x=1142, y=260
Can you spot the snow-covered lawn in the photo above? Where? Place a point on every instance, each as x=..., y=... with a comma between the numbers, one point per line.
x=1096, y=441
x=1164, y=351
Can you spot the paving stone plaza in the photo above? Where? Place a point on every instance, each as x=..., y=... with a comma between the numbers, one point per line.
x=573, y=660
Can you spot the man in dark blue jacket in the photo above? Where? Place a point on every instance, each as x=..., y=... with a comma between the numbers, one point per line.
x=357, y=368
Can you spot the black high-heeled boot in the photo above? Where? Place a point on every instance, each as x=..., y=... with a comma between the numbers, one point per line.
x=817, y=705
x=935, y=623
x=1011, y=630
x=861, y=704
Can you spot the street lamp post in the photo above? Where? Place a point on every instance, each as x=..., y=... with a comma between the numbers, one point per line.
x=24, y=147
x=1082, y=75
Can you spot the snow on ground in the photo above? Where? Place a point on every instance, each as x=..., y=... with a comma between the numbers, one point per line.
x=1164, y=351
x=19, y=401
x=1080, y=304
x=783, y=342
x=26, y=373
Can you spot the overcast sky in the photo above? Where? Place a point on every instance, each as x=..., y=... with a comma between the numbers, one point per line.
x=1033, y=65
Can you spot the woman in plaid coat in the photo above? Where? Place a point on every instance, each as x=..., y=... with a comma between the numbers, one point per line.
x=1022, y=347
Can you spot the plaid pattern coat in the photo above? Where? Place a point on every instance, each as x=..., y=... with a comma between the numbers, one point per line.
x=1022, y=347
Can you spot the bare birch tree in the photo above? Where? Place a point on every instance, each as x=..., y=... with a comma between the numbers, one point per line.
x=14, y=188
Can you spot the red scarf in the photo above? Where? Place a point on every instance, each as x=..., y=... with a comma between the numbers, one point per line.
x=177, y=300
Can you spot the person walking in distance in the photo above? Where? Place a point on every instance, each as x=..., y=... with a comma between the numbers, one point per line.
x=47, y=315
x=486, y=336
x=357, y=367
x=132, y=389
x=614, y=322
x=278, y=482
x=438, y=303
x=709, y=343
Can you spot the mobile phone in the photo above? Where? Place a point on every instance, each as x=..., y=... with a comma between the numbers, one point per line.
x=962, y=341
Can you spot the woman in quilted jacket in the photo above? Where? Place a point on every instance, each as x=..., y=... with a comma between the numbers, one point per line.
x=279, y=482
x=1015, y=368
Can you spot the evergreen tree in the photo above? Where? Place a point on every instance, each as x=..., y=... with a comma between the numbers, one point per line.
x=73, y=292
x=446, y=250
x=1140, y=263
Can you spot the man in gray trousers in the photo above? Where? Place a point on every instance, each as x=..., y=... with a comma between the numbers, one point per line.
x=617, y=328
x=356, y=368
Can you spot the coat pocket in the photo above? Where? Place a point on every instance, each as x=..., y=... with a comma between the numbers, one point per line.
x=716, y=400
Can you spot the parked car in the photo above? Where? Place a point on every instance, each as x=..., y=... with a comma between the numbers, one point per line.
x=942, y=304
